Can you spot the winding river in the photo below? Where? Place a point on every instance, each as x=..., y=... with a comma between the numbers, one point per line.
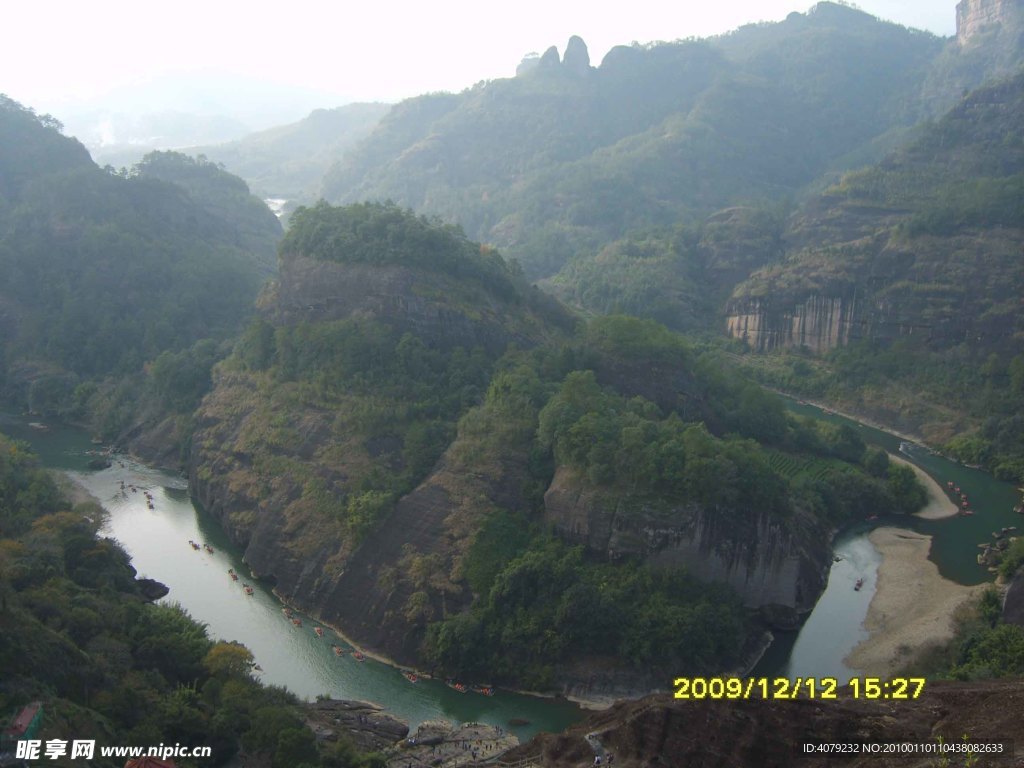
x=834, y=627
x=295, y=657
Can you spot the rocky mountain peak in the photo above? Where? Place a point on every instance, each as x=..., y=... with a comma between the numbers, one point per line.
x=550, y=58
x=577, y=58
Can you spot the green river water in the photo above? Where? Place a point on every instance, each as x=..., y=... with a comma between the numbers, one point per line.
x=294, y=657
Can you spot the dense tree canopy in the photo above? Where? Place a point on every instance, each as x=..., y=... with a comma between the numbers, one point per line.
x=105, y=271
x=383, y=233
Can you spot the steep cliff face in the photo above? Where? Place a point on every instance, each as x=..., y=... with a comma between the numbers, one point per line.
x=976, y=17
x=771, y=566
x=422, y=549
x=1013, y=601
x=937, y=292
x=311, y=561
x=819, y=323
x=284, y=537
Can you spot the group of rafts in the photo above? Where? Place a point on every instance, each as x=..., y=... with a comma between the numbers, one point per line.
x=319, y=631
x=209, y=550
x=358, y=655
x=486, y=690
x=147, y=494
x=965, y=505
x=954, y=491
x=234, y=577
x=231, y=571
x=952, y=488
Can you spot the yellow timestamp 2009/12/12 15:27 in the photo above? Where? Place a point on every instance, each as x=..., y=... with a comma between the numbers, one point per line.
x=697, y=688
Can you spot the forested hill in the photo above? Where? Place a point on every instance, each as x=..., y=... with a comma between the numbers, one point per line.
x=657, y=183
x=566, y=156
x=104, y=271
x=413, y=443
x=244, y=219
x=33, y=148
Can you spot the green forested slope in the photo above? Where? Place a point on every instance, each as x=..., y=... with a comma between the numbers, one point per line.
x=103, y=272
x=39, y=152
x=904, y=220
x=244, y=219
x=657, y=181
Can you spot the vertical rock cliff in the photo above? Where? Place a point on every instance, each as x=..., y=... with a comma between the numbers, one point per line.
x=974, y=18
x=819, y=323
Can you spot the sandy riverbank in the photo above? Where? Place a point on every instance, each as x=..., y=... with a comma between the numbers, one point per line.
x=913, y=605
x=73, y=490
x=939, y=504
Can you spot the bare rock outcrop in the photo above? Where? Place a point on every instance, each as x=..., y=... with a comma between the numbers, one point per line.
x=549, y=59
x=369, y=727
x=976, y=17
x=442, y=310
x=820, y=323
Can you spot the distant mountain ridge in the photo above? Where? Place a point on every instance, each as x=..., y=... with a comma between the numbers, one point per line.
x=658, y=182
x=566, y=157
x=288, y=161
x=178, y=110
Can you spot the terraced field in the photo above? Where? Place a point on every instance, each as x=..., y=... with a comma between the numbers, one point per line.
x=791, y=466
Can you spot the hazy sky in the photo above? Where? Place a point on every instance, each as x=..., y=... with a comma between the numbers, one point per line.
x=58, y=50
